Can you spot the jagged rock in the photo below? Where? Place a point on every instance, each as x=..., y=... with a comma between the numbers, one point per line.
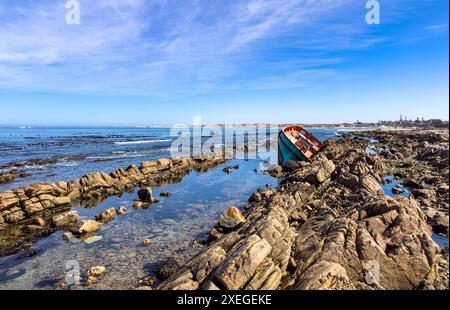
x=267, y=277
x=146, y=242
x=325, y=276
x=106, y=216
x=205, y=266
x=65, y=219
x=368, y=183
x=325, y=171
x=299, y=216
x=242, y=264
x=347, y=179
x=231, y=218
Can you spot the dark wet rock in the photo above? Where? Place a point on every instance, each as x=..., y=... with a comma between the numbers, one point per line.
x=428, y=194
x=121, y=211
x=411, y=184
x=146, y=195
x=214, y=235
x=165, y=194
x=167, y=269
x=291, y=165
x=228, y=170
x=443, y=189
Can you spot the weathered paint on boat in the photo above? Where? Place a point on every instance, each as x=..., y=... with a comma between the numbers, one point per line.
x=300, y=146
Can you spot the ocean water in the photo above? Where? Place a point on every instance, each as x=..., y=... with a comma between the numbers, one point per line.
x=173, y=225
x=70, y=153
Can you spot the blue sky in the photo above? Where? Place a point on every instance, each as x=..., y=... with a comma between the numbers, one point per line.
x=136, y=62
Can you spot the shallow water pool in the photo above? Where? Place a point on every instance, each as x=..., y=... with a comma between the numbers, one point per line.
x=172, y=225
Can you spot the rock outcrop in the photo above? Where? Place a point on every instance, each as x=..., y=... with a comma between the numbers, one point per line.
x=329, y=225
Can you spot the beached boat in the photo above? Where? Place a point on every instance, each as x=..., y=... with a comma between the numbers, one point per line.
x=296, y=143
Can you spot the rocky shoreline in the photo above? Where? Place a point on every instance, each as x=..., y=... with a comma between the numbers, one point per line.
x=30, y=213
x=330, y=225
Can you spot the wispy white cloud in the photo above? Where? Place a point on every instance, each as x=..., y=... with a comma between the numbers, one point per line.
x=437, y=28
x=170, y=47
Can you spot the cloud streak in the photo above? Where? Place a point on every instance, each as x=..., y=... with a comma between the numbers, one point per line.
x=173, y=48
